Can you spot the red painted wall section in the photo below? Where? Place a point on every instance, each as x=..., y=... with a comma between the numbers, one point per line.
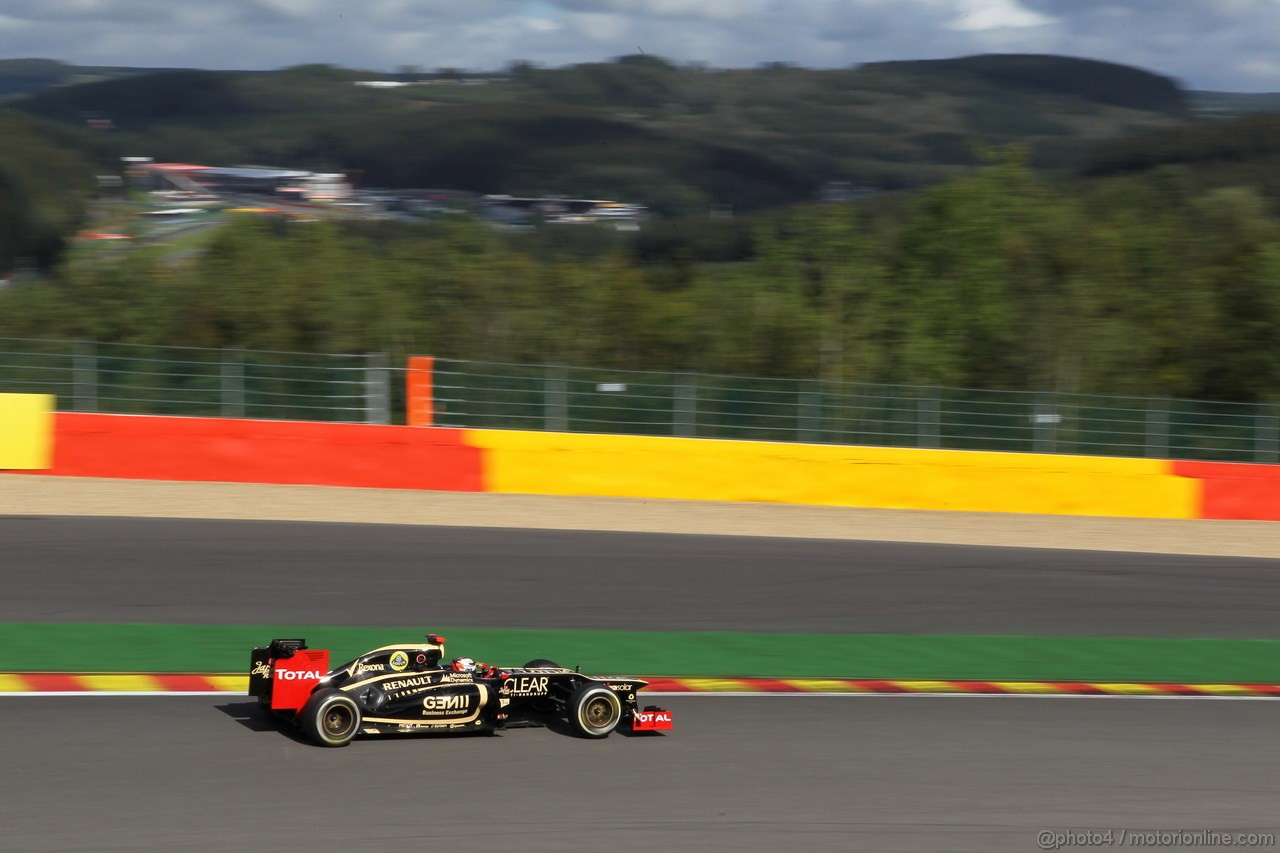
x=247, y=451
x=1235, y=490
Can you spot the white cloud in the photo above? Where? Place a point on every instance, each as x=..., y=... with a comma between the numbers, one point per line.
x=997, y=14
x=600, y=27
x=542, y=25
x=13, y=24
x=1261, y=68
x=298, y=9
x=707, y=10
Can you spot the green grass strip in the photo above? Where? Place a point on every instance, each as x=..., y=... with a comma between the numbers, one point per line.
x=216, y=648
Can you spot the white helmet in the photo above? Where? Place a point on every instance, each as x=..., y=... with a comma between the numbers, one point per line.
x=463, y=665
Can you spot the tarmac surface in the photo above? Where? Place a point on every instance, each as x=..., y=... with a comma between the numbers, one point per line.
x=201, y=773
x=296, y=573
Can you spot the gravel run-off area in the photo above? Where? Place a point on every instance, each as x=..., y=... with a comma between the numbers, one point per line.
x=37, y=495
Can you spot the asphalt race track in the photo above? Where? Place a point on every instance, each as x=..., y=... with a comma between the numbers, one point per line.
x=201, y=773
x=298, y=573
x=99, y=774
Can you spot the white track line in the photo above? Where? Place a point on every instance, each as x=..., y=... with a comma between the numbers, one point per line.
x=727, y=695
x=121, y=693
x=968, y=695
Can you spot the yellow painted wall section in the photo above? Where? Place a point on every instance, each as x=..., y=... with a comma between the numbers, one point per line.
x=26, y=431
x=889, y=478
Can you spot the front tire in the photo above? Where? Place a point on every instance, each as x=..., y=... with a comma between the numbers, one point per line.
x=541, y=663
x=330, y=718
x=594, y=710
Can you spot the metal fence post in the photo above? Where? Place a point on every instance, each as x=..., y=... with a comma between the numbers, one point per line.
x=555, y=395
x=928, y=422
x=1266, y=441
x=685, y=399
x=84, y=373
x=232, y=382
x=1044, y=424
x=809, y=415
x=1157, y=432
x=377, y=388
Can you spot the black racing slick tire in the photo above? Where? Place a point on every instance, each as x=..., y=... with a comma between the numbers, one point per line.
x=541, y=663
x=330, y=718
x=594, y=710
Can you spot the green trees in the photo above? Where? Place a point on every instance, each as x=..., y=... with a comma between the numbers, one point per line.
x=1006, y=280
x=43, y=188
x=1139, y=284
x=1238, y=268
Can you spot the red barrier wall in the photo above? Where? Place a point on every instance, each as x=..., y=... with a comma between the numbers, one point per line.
x=1235, y=490
x=401, y=457
x=247, y=451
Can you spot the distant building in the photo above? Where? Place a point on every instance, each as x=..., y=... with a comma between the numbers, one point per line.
x=294, y=184
x=321, y=186
x=563, y=211
x=833, y=191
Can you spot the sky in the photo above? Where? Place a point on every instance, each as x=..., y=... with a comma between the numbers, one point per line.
x=1225, y=45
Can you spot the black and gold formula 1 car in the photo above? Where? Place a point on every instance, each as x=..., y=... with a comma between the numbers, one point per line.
x=403, y=689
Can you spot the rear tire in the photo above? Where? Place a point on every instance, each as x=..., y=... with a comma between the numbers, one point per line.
x=541, y=663
x=594, y=710
x=330, y=718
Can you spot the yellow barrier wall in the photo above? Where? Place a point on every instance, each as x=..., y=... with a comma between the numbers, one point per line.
x=26, y=431
x=891, y=478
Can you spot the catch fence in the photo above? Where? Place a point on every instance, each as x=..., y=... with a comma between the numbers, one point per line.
x=569, y=399
x=233, y=383
x=367, y=388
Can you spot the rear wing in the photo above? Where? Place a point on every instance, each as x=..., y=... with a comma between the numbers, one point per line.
x=283, y=674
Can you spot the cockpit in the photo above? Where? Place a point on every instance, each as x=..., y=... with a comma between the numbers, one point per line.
x=392, y=660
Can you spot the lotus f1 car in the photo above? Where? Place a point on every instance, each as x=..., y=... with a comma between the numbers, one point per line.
x=405, y=689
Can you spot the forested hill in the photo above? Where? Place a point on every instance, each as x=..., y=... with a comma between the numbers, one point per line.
x=1243, y=152
x=1086, y=79
x=676, y=137
x=27, y=76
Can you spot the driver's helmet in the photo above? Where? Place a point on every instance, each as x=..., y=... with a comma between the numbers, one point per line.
x=463, y=665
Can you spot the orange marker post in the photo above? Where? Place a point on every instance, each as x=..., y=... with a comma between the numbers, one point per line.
x=419, y=392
